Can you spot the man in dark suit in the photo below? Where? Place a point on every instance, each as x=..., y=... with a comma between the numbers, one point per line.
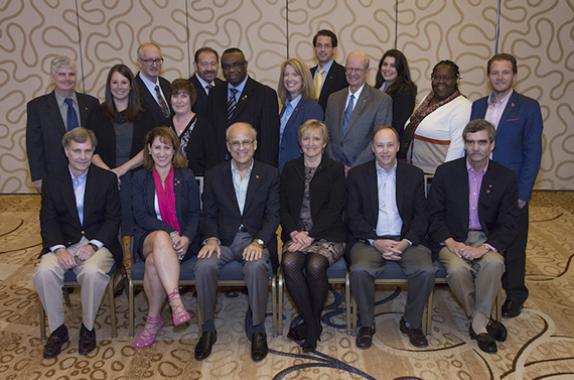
x=354, y=112
x=473, y=214
x=79, y=221
x=328, y=75
x=155, y=91
x=518, y=122
x=240, y=216
x=205, y=78
x=50, y=116
x=242, y=99
x=386, y=215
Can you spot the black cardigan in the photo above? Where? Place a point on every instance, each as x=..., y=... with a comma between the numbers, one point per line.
x=327, y=192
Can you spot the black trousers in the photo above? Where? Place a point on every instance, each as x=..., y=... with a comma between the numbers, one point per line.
x=513, y=280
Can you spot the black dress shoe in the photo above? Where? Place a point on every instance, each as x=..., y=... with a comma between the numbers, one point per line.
x=259, y=347
x=416, y=336
x=496, y=330
x=206, y=342
x=485, y=342
x=55, y=342
x=365, y=337
x=297, y=332
x=87, y=341
x=511, y=309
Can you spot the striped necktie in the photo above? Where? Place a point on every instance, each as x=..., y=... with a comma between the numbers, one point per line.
x=162, y=103
x=231, y=103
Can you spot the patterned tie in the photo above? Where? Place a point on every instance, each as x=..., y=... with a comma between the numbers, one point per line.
x=208, y=88
x=162, y=103
x=347, y=115
x=72, y=116
x=318, y=82
x=231, y=103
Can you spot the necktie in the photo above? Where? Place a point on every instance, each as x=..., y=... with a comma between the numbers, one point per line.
x=208, y=88
x=347, y=115
x=284, y=119
x=318, y=82
x=162, y=103
x=231, y=103
x=71, y=117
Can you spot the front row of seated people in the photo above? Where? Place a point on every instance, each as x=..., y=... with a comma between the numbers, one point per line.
x=471, y=214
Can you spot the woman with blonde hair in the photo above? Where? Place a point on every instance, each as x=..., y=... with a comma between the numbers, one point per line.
x=297, y=95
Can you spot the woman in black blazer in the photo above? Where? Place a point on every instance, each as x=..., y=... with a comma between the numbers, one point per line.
x=120, y=125
x=166, y=211
x=394, y=78
x=312, y=201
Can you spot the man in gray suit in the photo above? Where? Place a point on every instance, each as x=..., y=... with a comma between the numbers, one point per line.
x=354, y=112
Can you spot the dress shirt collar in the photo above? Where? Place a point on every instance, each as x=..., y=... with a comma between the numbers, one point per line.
x=472, y=171
x=294, y=102
x=325, y=68
x=356, y=94
x=383, y=171
x=61, y=99
x=148, y=82
x=80, y=178
x=492, y=100
x=204, y=83
x=239, y=87
x=235, y=171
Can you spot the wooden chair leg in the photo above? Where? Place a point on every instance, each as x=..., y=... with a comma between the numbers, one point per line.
x=427, y=314
x=42, y=322
x=131, y=311
x=112, y=305
x=280, y=301
x=348, y=305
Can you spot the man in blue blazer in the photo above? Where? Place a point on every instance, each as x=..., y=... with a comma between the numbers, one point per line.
x=50, y=116
x=518, y=123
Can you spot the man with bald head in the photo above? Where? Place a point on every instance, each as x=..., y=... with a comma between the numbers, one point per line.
x=386, y=215
x=154, y=90
x=239, y=219
x=353, y=112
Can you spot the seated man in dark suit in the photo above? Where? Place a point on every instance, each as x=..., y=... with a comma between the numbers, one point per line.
x=155, y=91
x=240, y=216
x=473, y=214
x=79, y=221
x=50, y=116
x=242, y=99
x=386, y=214
x=328, y=75
x=206, y=64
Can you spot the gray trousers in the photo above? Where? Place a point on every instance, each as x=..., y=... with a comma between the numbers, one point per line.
x=367, y=263
x=254, y=272
x=474, y=283
x=92, y=277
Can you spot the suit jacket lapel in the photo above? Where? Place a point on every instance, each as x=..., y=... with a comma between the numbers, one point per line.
x=373, y=191
x=252, y=186
x=53, y=113
x=243, y=98
x=230, y=188
x=70, y=197
x=360, y=105
x=83, y=109
x=510, y=109
x=400, y=184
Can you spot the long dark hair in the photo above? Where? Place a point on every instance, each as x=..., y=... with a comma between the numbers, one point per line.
x=134, y=109
x=403, y=80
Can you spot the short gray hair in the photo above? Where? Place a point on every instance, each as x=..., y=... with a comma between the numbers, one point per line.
x=60, y=61
x=478, y=125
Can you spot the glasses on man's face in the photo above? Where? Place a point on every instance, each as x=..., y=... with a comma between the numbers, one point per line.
x=234, y=65
x=354, y=69
x=236, y=144
x=152, y=61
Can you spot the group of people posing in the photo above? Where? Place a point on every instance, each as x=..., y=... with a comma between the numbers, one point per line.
x=340, y=167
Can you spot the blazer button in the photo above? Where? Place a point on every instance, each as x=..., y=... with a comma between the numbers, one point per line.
x=83, y=232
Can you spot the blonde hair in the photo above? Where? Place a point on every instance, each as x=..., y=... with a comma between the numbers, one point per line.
x=307, y=90
x=313, y=125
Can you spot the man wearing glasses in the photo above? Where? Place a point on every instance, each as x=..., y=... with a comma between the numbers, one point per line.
x=155, y=91
x=242, y=99
x=239, y=219
x=354, y=112
x=328, y=75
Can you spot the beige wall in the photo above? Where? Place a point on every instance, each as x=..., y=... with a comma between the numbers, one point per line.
x=100, y=33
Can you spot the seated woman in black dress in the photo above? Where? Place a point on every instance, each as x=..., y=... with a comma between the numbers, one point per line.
x=312, y=201
x=166, y=211
x=120, y=125
x=191, y=128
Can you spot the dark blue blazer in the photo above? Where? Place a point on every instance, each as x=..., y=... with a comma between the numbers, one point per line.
x=186, y=205
x=518, y=139
x=289, y=147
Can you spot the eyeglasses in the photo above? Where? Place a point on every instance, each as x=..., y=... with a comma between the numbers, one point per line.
x=234, y=65
x=238, y=144
x=354, y=69
x=151, y=61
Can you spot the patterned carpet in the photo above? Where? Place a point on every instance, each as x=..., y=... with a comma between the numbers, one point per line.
x=540, y=343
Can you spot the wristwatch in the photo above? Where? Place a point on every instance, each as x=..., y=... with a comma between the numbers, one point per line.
x=95, y=247
x=258, y=242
